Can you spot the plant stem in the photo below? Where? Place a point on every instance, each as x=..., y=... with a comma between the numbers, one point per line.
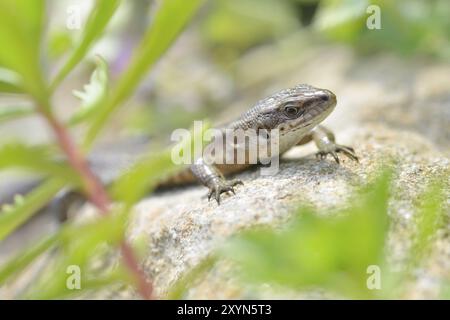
x=92, y=186
x=97, y=194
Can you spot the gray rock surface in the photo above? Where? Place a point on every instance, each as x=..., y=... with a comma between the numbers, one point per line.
x=182, y=228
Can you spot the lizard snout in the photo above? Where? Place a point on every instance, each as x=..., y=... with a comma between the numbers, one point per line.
x=327, y=96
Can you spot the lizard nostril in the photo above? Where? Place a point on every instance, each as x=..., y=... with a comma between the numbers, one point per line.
x=324, y=97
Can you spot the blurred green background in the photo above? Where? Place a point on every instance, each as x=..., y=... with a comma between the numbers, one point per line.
x=232, y=51
x=237, y=48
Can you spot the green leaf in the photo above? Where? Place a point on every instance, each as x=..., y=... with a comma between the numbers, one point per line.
x=342, y=20
x=429, y=218
x=98, y=19
x=21, y=24
x=333, y=253
x=56, y=287
x=23, y=259
x=168, y=22
x=79, y=241
x=10, y=81
x=35, y=158
x=79, y=245
x=9, y=113
x=94, y=93
x=142, y=177
x=178, y=290
x=12, y=216
x=60, y=43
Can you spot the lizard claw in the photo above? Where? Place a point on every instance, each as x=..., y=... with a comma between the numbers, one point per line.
x=349, y=152
x=221, y=187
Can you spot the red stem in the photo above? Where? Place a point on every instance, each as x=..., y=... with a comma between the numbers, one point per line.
x=97, y=194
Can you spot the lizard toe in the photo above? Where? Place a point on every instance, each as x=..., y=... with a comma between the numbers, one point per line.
x=347, y=151
x=335, y=156
x=223, y=187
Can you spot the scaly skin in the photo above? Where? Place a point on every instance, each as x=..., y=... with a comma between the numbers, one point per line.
x=296, y=113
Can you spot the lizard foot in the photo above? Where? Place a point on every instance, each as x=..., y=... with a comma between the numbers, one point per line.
x=221, y=187
x=337, y=148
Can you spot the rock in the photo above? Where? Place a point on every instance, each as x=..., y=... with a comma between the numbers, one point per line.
x=183, y=227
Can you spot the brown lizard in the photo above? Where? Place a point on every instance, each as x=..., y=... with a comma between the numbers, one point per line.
x=295, y=113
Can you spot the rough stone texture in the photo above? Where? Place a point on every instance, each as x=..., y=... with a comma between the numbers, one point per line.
x=182, y=233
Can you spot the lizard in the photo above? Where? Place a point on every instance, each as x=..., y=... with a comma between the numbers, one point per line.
x=297, y=114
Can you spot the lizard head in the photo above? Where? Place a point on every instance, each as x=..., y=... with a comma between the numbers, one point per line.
x=296, y=109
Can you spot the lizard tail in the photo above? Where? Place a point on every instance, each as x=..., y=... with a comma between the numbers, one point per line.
x=181, y=178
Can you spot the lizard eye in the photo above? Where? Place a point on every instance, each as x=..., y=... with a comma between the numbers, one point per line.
x=290, y=111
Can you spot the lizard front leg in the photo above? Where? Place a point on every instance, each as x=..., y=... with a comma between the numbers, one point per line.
x=212, y=178
x=326, y=143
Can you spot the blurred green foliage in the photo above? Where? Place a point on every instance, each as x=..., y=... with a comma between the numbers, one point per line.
x=242, y=24
x=167, y=24
x=100, y=15
x=10, y=113
x=22, y=32
x=14, y=215
x=94, y=94
x=60, y=42
x=407, y=27
x=233, y=31
x=334, y=253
